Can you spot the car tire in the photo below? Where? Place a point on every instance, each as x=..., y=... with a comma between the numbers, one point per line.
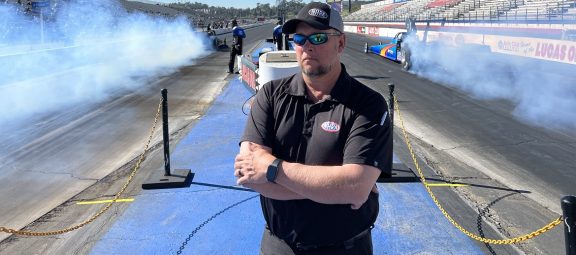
x=406, y=61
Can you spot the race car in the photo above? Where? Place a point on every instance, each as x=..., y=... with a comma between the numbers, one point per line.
x=217, y=43
x=394, y=50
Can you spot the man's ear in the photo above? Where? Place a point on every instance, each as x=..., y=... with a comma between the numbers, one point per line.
x=342, y=43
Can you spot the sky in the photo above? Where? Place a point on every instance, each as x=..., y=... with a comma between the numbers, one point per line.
x=235, y=3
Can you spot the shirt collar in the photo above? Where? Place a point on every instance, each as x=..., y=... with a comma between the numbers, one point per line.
x=340, y=92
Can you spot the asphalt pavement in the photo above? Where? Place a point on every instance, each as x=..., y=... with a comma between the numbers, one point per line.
x=511, y=174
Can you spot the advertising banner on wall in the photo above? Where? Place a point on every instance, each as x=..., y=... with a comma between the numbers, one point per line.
x=539, y=48
x=373, y=31
x=545, y=49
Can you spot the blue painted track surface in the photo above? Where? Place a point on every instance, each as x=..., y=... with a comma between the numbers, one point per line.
x=214, y=216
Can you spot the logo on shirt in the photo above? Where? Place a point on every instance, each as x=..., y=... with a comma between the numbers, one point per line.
x=330, y=126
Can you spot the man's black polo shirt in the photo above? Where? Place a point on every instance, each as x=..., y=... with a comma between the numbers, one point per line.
x=351, y=126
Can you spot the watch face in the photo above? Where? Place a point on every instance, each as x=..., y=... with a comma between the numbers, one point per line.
x=273, y=171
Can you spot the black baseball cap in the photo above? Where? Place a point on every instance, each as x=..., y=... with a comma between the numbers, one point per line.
x=318, y=15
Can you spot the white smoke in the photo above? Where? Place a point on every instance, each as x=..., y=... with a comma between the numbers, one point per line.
x=543, y=94
x=87, y=51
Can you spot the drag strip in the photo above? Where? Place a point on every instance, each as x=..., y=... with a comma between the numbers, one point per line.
x=519, y=171
x=512, y=173
x=55, y=156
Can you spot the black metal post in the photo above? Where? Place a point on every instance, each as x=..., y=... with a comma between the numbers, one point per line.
x=391, y=112
x=399, y=172
x=179, y=177
x=569, y=215
x=166, y=138
x=391, y=101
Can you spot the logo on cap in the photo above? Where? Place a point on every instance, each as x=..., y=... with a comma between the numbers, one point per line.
x=318, y=13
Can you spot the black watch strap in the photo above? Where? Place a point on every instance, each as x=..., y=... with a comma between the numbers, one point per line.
x=272, y=171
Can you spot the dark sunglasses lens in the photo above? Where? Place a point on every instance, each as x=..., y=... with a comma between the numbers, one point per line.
x=299, y=39
x=318, y=38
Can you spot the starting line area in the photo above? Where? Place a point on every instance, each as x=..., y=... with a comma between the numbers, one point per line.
x=214, y=216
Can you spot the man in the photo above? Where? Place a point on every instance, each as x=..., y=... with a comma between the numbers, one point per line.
x=277, y=35
x=314, y=146
x=237, y=35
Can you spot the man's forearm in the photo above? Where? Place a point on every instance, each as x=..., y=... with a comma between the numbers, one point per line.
x=274, y=191
x=347, y=184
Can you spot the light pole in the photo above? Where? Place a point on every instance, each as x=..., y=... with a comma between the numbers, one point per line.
x=349, y=6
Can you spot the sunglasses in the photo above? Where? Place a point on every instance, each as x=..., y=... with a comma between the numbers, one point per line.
x=315, y=39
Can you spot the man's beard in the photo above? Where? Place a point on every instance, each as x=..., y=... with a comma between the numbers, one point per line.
x=317, y=72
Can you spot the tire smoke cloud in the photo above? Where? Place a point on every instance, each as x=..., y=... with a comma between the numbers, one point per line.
x=86, y=52
x=541, y=93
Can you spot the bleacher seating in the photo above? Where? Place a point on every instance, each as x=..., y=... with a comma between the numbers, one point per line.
x=442, y=3
x=467, y=10
x=370, y=12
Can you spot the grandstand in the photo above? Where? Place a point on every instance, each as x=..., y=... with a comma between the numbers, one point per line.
x=528, y=11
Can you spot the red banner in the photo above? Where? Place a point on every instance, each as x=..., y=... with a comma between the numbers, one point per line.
x=373, y=31
x=249, y=76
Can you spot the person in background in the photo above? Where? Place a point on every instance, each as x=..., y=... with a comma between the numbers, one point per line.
x=277, y=35
x=238, y=34
x=314, y=146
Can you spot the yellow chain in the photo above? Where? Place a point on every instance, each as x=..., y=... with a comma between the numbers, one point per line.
x=518, y=239
x=103, y=210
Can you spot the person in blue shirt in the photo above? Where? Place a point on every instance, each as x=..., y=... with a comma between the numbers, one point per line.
x=238, y=34
x=277, y=35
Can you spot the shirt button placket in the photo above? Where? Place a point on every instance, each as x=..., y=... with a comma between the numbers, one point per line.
x=309, y=126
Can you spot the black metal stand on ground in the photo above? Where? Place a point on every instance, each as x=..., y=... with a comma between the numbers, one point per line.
x=180, y=177
x=569, y=211
x=398, y=172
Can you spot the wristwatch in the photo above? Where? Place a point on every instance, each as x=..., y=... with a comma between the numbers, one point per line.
x=272, y=172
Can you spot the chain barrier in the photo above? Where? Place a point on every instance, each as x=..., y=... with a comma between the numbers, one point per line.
x=518, y=239
x=189, y=237
x=103, y=210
